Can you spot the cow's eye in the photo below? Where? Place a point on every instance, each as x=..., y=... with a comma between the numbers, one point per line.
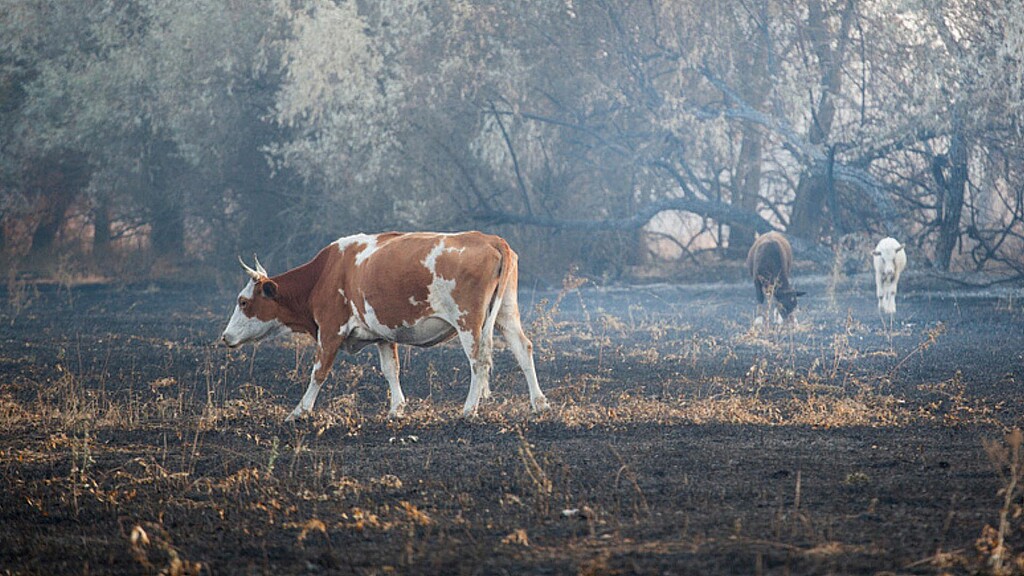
x=242, y=302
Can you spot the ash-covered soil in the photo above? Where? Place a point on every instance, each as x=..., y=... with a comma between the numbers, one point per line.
x=681, y=439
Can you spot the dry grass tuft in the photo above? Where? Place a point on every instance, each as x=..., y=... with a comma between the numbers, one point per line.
x=1007, y=457
x=517, y=537
x=152, y=547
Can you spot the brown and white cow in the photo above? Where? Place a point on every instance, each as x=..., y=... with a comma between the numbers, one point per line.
x=769, y=261
x=419, y=289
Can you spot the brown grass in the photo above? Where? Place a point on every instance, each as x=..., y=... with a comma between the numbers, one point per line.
x=280, y=474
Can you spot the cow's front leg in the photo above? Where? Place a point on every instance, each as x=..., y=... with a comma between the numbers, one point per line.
x=389, y=366
x=321, y=369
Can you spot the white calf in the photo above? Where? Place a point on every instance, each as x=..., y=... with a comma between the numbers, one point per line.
x=890, y=260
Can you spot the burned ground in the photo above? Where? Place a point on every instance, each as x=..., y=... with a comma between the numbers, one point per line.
x=681, y=441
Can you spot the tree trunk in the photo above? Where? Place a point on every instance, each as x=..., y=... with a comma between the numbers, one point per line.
x=747, y=190
x=261, y=218
x=101, y=235
x=808, y=219
x=168, y=226
x=164, y=201
x=747, y=187
x=45, y=236
x=952, y=190
x=57, y=181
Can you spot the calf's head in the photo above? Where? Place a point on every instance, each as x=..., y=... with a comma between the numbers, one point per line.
x=256, y=311
x=885, y=257
x=787, y=300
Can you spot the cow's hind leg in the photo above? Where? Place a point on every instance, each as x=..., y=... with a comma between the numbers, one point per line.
x=477, y=338
x=389, y=366
x=478, y=349
x=512, y=329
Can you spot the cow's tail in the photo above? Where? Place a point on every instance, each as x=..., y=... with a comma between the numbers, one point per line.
x=508, y=268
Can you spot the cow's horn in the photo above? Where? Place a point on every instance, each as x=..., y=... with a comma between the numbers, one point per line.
x=255, y=275
x=259, y=267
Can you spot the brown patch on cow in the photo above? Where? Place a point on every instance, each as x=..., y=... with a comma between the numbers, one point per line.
x=473, y=293
x=266, y=304
x=295, y=296
x=335, y=308
x=385, y=237
x=394, y=280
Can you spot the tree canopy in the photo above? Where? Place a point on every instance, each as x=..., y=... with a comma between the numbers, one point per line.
x=600, y=134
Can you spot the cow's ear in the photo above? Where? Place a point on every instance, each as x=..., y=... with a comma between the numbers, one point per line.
x=878, y=252
x=900, y=248
x=269, y=288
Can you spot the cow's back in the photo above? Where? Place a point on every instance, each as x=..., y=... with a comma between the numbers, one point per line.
x=404, y=277
x=770, y=257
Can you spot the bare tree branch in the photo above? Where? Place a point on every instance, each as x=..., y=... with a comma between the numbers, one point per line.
x=812, y=156
x=515, y=160
x=706, y=208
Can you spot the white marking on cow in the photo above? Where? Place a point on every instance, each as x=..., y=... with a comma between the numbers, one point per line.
x=389, y=366
x=430, y=262
x=346, y=241
x=374, y=324
x=309, y=398
x=368, y=241
x=242, y=328
x=441, y=290
x=441, y=299
x=371, y=247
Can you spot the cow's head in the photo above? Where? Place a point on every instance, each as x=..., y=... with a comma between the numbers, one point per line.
x=885, y=257
x=787, y=301
x=256, y=311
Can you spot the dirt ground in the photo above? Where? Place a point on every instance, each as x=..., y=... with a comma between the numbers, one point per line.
x=681, y=439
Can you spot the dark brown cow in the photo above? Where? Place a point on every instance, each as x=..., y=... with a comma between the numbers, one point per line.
x=769, y=261
x=387, y=289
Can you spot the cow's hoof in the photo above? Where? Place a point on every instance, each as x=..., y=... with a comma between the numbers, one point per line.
x=397, y=413
x=295, y=415
x=541, y=405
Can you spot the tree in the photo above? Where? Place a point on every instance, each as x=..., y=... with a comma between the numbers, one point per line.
x=156, y=98
x=205, y=129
